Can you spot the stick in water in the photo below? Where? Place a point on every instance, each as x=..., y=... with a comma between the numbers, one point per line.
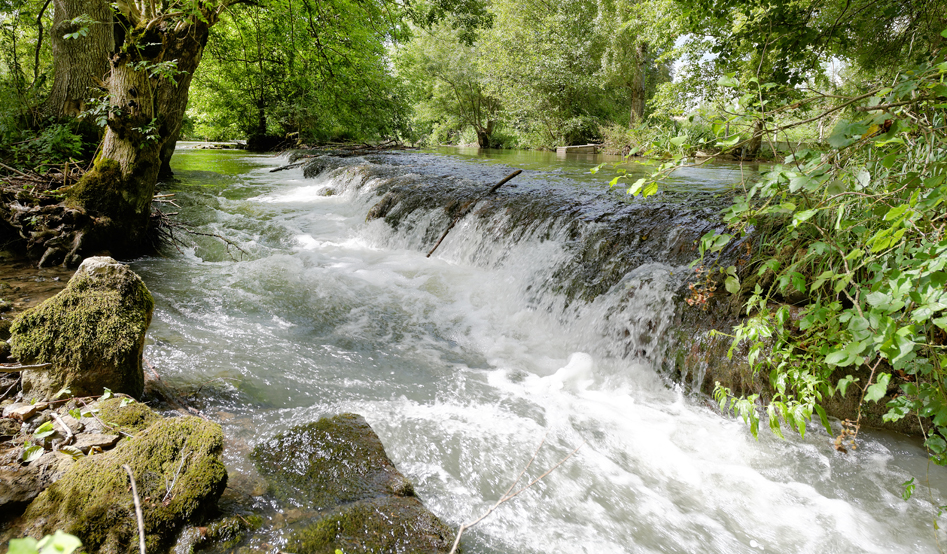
x=141, y=519
x=466, y=211
x=509, y=495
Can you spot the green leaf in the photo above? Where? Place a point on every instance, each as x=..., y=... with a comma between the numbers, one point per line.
x=635, y=188
x=32, y=452
x=732, y=284
x=59, y=543
x=877, y=391
x=23, y=546
x=44, y=430
x=728, y=81
x=800, y=217
x=106, y=395
x=844, y=382
x=824, y=418
x=679, y=140
x=908, y=489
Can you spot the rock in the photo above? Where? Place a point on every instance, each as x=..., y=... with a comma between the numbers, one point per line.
x=18, y=487
x=92, y=500
x=71, y=423
x=4, y=351
x=88, y=441
x=19, y=411
x=92, y=333
x=9, y=428
x=130, y=418
x=339, y=467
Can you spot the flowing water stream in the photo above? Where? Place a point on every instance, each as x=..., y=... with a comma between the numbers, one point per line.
x=465, y=361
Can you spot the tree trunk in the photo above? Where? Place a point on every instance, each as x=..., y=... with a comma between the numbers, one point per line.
x=639, y=85
x=752, y=148
x=79, y=64
x=147, y=113
x=485, y=134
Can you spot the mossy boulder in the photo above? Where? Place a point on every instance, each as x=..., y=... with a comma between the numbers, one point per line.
x=92, y=332
x=179, y=473
x=361, y=503
x=384, y=524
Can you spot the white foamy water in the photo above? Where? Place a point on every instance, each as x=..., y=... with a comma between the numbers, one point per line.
x=463, y=363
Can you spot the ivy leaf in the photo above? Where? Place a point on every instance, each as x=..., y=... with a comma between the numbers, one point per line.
x=877, y=391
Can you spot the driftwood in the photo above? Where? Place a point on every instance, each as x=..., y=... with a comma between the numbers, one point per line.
x=466, y=210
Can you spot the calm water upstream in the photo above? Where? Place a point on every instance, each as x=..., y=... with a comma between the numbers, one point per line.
x=464, y=362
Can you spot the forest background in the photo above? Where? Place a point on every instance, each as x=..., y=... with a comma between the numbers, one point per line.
x=847, y=285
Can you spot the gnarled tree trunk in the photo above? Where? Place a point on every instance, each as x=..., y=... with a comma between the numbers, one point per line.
x=147, y=109
x=79, y=64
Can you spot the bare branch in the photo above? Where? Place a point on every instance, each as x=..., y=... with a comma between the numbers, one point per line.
x=509, y=494
x=141, y=519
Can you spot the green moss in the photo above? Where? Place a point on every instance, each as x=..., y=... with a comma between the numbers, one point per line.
x=92, y=500
x=130, y=418
x=335, y=460
x=94, y=327
x=392, y=524
x=228, y=532
x=98, y=189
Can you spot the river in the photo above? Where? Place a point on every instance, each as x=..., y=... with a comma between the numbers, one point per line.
x=464, y=362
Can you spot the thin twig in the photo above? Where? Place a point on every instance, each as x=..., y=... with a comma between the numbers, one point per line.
x=18, y=368
x=509, y=495
x=6, y=392
x=17, y=171
x=170, y=487
x=65, y=427
x=141, y=519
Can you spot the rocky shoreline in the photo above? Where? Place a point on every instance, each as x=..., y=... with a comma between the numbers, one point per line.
x=83, y=418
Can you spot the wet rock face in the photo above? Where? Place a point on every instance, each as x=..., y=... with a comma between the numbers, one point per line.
x=92, y=333
x=361, y=503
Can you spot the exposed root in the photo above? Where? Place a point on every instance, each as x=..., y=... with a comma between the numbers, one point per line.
x=163, y=229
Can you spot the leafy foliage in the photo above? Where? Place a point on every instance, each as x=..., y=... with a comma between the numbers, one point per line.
x=863, y=243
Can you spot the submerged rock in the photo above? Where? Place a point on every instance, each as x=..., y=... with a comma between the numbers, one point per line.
x=92, y=332
x=178, y=469
x=361, y=502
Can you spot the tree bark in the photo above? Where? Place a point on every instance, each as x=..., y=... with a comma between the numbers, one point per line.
x=752, y=148
x=147, y=110
x=79, y=64
x=639, y=85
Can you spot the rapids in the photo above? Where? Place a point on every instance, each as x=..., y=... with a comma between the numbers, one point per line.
x=464, y=362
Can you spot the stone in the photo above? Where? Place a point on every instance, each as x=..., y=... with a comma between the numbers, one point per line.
x=70, y=422
x=20, y=486
x=9, y=428
x=19, y=411
x=179, y=474
x=92, y=332
x=88, y=441
x=338, y=467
